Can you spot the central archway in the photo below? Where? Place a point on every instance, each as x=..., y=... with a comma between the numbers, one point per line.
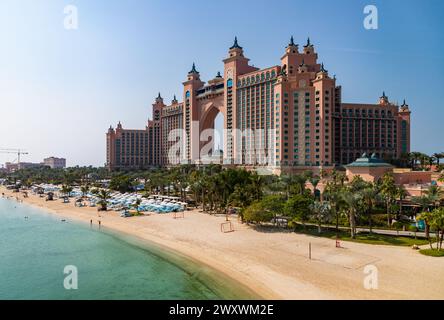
x=211, y=134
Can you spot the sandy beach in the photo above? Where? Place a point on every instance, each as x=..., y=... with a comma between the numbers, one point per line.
x=275, y=265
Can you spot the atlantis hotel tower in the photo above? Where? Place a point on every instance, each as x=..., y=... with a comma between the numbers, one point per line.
x=288, y=117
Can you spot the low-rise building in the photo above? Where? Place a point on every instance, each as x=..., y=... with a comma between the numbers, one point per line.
x=55, y=163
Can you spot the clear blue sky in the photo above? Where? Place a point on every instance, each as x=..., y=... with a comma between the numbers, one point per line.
x=60, y=90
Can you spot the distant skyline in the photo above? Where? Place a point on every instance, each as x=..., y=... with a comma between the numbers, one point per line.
x=61, y=89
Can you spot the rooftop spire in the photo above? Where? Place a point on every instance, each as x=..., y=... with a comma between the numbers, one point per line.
x=308, y=43
x=235, y=45
x=322, y=68
x=193, y=69
x=291, y=42
x=159, y=96
x=218, y=75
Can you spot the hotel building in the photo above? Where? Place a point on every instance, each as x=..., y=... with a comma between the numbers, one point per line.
x=55, y=163
x=287, y=117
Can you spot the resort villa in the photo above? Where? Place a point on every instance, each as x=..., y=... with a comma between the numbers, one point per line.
x=371, y=169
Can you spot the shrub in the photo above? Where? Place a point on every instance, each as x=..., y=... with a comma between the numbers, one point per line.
x=256, y=213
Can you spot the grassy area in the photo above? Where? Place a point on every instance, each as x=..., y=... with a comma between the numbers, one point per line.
x=432, y=252
x=363, y=237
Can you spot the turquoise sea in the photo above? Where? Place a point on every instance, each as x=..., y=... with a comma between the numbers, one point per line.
x=35, y=250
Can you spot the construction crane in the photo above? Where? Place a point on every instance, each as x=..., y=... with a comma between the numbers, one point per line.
x=18, y=152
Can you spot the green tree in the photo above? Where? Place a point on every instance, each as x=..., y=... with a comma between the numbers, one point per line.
x=370, y=199
x=121, y=183
x=104, y=196
x=256, y=213
x=136, y=205
x=388, y=191
x=273, y=204
x=66, y=190
x=434, y=220
x=321, y=213
x=84, y=189
x=353, y=201
x=435, y=194
x=298, y=207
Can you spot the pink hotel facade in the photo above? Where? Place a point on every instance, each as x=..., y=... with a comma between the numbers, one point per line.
x=287, y=117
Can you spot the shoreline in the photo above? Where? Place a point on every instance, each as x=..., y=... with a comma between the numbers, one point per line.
x=160, y=248
x=272, y=265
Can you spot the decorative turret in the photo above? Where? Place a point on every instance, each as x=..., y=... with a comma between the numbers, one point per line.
x=291, y=48
x=193, y=69
x=303, y=67
x=235, y=45
x=323, y=69
x=404, y=107
x=159, y=99
x=236, y=49
x=119, y=126
x=111, y=129
x=193, y=74
x=383, y=99
x=217, y=79
x=292, y=44
x=322, y=73
x=174, y=101
x=308, y=43
x=308, y=48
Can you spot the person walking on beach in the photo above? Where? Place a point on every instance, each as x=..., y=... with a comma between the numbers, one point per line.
x=91, y=222
x=100, y=224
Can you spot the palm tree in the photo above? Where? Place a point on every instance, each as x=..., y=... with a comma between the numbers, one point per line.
x=438, y=224
x=401, y=194
x=424, y=160
x=287, y=180
x=333, y=194
x=388, y=191
x=353, y=201
x=66, y=190
x=370, y=198
x=300, y=180
x=104, y=196
x=84, y=189
x=435, y=194
x=438, y=156
x=321, y=212
x=427, y=217
x=424, y=202
x=136, y=205
x=414, y=158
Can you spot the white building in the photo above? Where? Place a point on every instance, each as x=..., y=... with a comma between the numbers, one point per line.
x=55, y=163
